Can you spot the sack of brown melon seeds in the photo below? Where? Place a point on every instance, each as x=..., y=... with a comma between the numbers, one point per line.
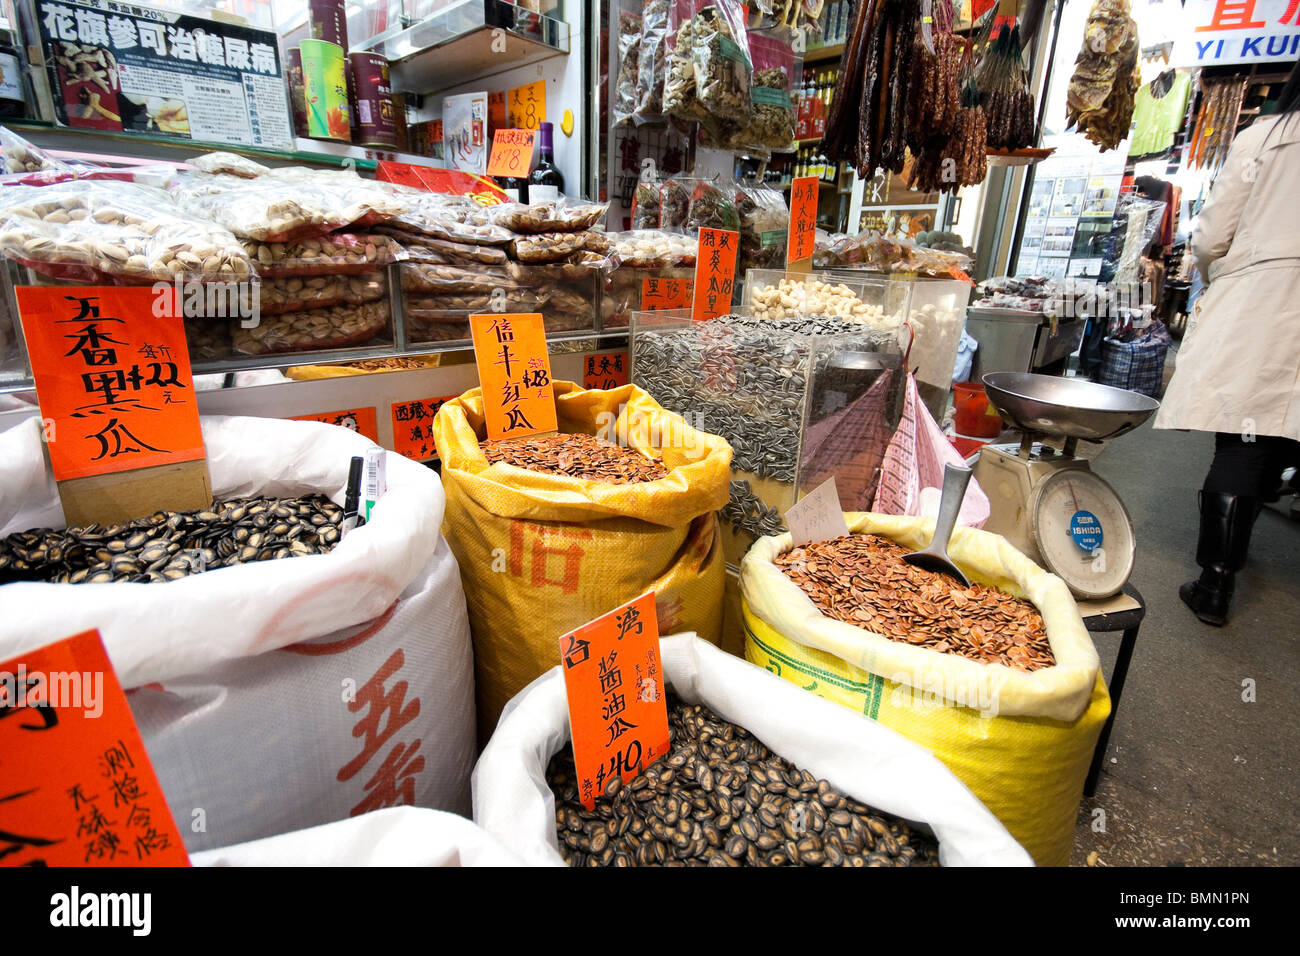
x=1015, y=716
x=542, y=553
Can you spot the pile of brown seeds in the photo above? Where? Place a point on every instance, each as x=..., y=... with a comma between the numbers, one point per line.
x=721, y=798
x=169, y=545
x=862, y=579
x=577, y=456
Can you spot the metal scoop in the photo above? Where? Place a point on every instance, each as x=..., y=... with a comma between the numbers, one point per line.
x=935, y=556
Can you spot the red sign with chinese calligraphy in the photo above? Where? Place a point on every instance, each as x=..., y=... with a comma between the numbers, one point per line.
x=76, y=786
x=512, y=152
x=659, y=295
x=803, y=222
x=451, y=182
x=413, y=427
x=514, y=369
x=615, y=684
x=605, y=370
x=113, y=376
x=715, y=273
x=365, y=421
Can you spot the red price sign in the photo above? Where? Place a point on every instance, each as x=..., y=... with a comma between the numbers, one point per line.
x=512, y=152
x=615, y=684
x=413, y=427
x=715, y=273
x=364, y=421
x=605, y=370
x=803, y=223
x=658, y=295
x=78, y=788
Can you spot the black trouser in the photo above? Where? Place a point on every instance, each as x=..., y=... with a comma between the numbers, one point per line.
x=1250, y=469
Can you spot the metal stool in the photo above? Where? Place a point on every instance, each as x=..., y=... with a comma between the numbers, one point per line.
x=1127, y=621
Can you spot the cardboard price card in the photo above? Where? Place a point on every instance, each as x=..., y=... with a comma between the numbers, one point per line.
x=526, y=105
x=803, y=221
x=413, y=427
x=512, y=152
x=817, y=516
x=605, y=370
x=76, y=786
x=364, y=421
x=715, y=273
x=112, y=376
x=514, y=369
x=617, y=706
x=659, y=295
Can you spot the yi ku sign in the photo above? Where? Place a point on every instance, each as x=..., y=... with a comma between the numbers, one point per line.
x=1224, y=32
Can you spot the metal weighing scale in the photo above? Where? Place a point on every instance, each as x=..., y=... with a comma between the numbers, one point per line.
x=1048, y=503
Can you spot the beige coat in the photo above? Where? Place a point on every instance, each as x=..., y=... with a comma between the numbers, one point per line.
x=1239, y=365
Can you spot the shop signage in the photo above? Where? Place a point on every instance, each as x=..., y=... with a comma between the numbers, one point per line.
x=133, y=69
x=413, y=427
x=512, y=153
x=363, y=421
x=803, y=223
x=715, y=273
x=605, y=370
x=1227, y=32
x=615, y=684
x=526, y=105
x=78, y=788
x=514, y=369
x=660, y=294
x=112, y=377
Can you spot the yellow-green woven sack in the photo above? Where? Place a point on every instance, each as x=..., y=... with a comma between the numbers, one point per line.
x=542, y=554
x=1022, y=742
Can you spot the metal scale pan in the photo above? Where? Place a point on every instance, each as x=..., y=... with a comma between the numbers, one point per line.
x=1049, y=504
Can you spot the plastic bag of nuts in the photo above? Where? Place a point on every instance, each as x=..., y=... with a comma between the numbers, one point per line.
x=130, y=232
x=230, y=163
x=438, y=279
x=421, y=247
x=552, y=216
x=709, y=67
x=857, y=759
x=332, y=328
x=299, y=293
x=578, y=266
x=653, y=248
x=338, y=252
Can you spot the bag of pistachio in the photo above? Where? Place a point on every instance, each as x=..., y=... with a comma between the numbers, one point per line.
x=544, y=548
x=1000, y=680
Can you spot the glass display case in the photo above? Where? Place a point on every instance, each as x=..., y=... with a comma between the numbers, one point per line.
x=799, y=399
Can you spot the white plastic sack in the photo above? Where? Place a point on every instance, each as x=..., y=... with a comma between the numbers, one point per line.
x=858, y=756
x=278, y=694
x=398, y=836
x=914, y=463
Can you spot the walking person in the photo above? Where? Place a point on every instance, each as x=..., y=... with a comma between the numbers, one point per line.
x=1238, y=371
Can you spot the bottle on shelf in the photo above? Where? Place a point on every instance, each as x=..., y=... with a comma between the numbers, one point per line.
x=13, y=92
x=545, y=182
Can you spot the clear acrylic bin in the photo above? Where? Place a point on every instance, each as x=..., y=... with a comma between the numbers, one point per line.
x=799, y=400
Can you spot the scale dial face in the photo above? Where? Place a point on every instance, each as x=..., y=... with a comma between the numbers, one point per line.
x=1083, y=532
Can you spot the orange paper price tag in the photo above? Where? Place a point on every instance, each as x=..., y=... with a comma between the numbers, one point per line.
x=512, y=152
x=76, y=786
x=715, y=273
x=803, y=219
x=362, y=420
x=514, y=369
x=413, y=427
x=658, y=295
x=112, y=377
x=526, y=105
x=605, y=370
x=617, y=707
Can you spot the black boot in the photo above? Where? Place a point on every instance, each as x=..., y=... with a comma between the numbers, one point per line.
x=1226, y=523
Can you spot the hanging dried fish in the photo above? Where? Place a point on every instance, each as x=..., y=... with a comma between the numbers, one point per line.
x=1106, y=80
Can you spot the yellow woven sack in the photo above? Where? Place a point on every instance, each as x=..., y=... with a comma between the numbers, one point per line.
x=1022, y=742
x=542, y=554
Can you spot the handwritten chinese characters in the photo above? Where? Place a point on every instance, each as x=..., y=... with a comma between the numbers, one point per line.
x=614, y=681
x=661, y=294
x=77, y=788
x=803, y=219
x=113, y=376
x=514, y=371
x=715, y=273
x=605, y=370
x=413, y=427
